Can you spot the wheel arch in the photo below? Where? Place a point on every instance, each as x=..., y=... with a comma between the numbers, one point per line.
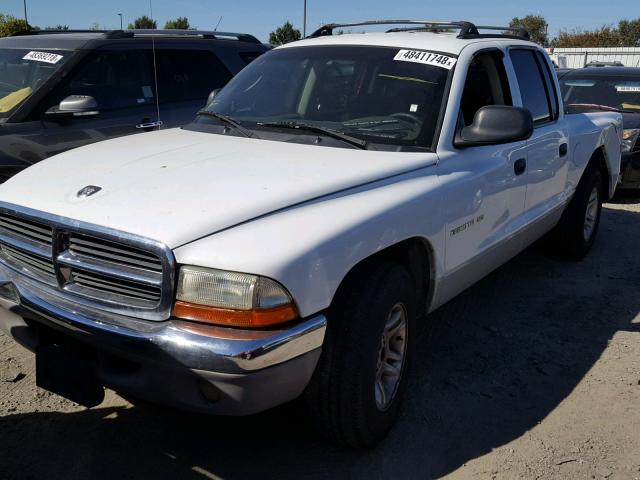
x=599, y=160
x=417, y=255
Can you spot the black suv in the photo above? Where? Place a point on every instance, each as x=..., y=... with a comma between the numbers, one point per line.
x=62, y=90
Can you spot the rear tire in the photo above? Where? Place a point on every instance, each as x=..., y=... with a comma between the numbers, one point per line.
x=576, y=232
x=356, y=391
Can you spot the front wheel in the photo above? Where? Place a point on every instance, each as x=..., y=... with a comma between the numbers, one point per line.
x=357, y=389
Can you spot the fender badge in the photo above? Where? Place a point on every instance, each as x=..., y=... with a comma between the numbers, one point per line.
x=88, y=191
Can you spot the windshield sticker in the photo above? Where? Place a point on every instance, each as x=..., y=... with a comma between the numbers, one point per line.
x=426, y=58
x=45, y=57
x=628, y=88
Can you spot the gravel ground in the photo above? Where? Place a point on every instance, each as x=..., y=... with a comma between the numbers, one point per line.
x=532, y=373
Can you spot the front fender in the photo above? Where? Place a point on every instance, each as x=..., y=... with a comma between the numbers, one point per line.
x=311, y=248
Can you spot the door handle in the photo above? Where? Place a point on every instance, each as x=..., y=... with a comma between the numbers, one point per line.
x=563, y=149
x=146, y=125
x=520, y=166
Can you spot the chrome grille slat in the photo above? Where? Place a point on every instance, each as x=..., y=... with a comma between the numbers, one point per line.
x=24, y=259
x=110, y=252
x=31, y=230
x=95, y=266
x=129, y=290
x=111, y=269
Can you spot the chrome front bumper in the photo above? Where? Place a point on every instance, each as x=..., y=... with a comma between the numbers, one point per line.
x=172, y=362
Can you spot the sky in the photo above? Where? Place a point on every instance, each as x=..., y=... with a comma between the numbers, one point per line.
x=261, y=17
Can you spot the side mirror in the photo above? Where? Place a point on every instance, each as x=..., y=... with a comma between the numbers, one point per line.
x=74, y=106
x=212, y=95
x=495, y=125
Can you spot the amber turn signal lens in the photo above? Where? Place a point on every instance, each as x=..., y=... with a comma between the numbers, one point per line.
x=235, y=318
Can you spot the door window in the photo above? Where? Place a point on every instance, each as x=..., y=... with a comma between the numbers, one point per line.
x=534, y=89
x=187, y=75
x=486, y=84
x=116, y=79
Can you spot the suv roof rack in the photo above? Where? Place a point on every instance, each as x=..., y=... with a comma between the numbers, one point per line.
x=112, y=34
x=466, y=29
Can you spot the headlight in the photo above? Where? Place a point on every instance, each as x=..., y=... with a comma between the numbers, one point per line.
x=629, y=138
x=234, y=299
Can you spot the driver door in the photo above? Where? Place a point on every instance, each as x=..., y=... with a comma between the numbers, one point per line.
x=486, y=184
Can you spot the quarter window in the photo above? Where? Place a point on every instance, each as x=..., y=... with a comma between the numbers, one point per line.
x=186, y=75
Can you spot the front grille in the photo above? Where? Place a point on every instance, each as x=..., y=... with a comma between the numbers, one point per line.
x=26, y=230
x=29, y=262
x=96, y=284
x=113, y=253
x=111, y=270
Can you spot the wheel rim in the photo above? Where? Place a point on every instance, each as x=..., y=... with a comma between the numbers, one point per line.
x=591, y=214
x=391, y=356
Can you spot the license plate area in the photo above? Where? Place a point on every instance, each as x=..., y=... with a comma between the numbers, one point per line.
x=69, y=372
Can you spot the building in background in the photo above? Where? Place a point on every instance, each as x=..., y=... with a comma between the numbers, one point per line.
x=580, y=57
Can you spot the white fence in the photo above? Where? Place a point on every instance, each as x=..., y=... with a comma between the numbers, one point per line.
x=579, y=57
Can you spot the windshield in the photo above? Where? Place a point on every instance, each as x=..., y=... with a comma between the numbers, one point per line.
x=377, y=94
x=22, y=72
x=619, y=92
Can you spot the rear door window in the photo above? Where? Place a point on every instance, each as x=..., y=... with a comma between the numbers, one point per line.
x=533, y=89
x=189, y=75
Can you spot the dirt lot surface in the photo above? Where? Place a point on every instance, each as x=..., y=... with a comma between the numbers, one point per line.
x=532, y=373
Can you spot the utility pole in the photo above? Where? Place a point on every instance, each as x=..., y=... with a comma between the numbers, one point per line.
x=304, y=23
x=120, y=15
x=25, y=13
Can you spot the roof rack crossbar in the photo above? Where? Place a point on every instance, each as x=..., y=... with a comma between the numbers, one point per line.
x=466, y=29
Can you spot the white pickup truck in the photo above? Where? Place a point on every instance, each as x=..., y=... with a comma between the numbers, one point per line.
x=289, y=240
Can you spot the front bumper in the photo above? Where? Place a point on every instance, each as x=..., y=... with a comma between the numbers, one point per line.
x=189, y=366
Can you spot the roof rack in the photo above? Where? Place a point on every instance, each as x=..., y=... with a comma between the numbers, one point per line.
x=113, y=34
x=466, y=29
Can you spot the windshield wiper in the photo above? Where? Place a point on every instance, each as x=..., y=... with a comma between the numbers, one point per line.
x=356, y=142
x=229, y=121
x=595, y=106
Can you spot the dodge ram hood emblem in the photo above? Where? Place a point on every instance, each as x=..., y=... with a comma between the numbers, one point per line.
x=88, y=191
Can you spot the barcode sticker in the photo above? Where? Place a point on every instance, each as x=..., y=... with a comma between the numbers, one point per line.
x=627, y=88
x=426, y=58
x=45, y=57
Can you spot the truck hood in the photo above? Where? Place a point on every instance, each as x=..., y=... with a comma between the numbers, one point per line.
x=176, y=186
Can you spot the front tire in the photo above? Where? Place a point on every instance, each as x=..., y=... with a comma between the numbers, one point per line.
x=356, y=391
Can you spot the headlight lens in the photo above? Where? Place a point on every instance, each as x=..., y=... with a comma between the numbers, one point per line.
x=629, y=138
x=233, y=299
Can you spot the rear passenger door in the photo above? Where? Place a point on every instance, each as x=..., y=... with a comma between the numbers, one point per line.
x=547, y=149
x=185, y=80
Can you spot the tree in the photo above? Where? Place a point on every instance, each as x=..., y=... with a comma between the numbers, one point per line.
x=94, y=26
x=284, y=34
x=604, y=36
x=143, y=22
x=536, y=25
x=10, y=24
x=629, y=33
x=58, y=27
x=180, y=23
